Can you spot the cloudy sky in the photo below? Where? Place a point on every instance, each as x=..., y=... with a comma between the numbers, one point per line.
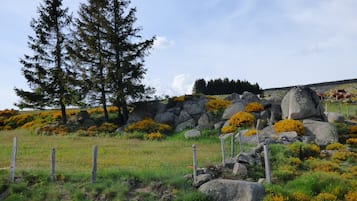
x=272, y=42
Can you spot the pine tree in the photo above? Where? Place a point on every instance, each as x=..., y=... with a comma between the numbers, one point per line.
x=108, y=49
x=50, y=78
x=127, y=52
x=88, y=49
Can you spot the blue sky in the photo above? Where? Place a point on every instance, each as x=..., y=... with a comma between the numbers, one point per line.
x=272, y=42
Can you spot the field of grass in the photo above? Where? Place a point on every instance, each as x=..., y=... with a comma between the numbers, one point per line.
x=347, y=109
x=119, y=160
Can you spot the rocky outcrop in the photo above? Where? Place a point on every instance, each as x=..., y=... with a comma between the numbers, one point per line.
x=233, y=190
x=323, y=132
x=334, y=117
x=302, y=103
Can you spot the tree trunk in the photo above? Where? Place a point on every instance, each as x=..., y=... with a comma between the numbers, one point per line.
x=63, y=111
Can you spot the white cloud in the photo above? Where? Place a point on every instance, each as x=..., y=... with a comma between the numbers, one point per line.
x=181, y=84
x=162, y=42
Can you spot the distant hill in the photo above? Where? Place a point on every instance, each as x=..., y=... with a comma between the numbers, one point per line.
x=349, y=85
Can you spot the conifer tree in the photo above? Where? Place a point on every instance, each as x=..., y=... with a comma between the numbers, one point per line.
x=89, y=50
x=47, y=71
x=111, y=53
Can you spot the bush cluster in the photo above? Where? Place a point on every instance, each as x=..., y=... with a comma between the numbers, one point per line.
x=254, y=107
x=148, y=126
x=154, y=136
x=289, y=125
x=214, y=105
x=239, y=119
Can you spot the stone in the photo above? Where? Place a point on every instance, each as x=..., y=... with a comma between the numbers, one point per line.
x=250, y=97
x=334, y=117
x=204, y=122
x=184, y=116
x=194, y=107
x=189, y=124
x=165, y=118
x=323, y=132
x=233, y=190
x=302, y=103
x=201, y=179
x=240, y=169
x=192, y=134
x=232, y=109
x=246, y=158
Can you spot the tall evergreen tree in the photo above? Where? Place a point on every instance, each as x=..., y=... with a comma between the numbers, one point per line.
x=48, y=74
x=111, y=53
x=89, y=51
x=127, y=52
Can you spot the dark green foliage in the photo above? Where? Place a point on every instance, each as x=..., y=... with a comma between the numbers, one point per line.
x=225, y=86
x=194, y=196
x=47, y=70
x=109, y=53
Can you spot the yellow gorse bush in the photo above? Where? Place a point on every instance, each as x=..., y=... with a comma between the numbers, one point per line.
x=352, y=141
x=325, y=197
x=217, y=104
x=154, y=136
x=250, y=132
x=299, y=196
x=351, y=196
x=352, y=129
x=241, y=119
x=334, y=146
x=244, y=119
x=179, y=99
x=228, y=129
x=289, y=125
x=254, y=107
x=148, y=126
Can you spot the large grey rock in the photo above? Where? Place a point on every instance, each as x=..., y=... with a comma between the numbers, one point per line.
x=202, y=178
x=232, y=97
x=184, y=116
x=233, y=190
x=167, y=117
x=189, y=124
x=192, y=133
x=250, y=97
x=145, y=110
x=275, y=113
x=323, y=132
x=302, y=103
x=240, y=169
x=204, y=122
x=334, y=117
x=232, y=109
x=194, y=107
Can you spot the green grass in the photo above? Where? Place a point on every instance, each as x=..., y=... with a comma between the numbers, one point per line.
x=347, y=109
x=119, y=160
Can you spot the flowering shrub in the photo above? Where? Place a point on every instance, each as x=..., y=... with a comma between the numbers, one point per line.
x=217, y=104
x=325, y=197
x=241, y=119
x=352, y=141
x=154, y=136
x=334, y=146
x=289, y=125
x=179, y=99
x=18, y=120
x=273, y=197
x=299, y=196
x=228, y=129
x=304, y=151
x=148, y=126
x=254, y=107
x=352, y=129
x=107, y=127
x=250, y=132
x=343, y=156
x=351, y=196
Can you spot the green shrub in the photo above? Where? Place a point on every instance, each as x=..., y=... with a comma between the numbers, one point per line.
x=303, y=150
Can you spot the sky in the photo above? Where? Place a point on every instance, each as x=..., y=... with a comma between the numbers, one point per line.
x=274, y=43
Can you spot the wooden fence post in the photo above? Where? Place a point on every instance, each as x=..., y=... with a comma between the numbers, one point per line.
x=13, y=160
x=194, y=153
x=53, y=164
x=94, y=164
x=257, y=129
x=223, y=152
x=267, y=164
